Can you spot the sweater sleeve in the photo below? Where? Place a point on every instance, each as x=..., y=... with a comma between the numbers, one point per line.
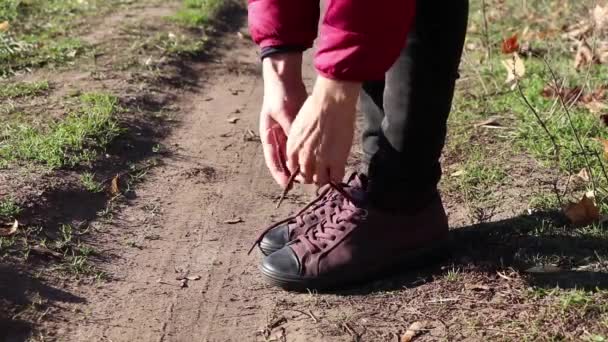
x=283, y=22
x=359, y=40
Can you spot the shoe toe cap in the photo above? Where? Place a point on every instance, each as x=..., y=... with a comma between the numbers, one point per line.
x=283, y=262
x=276, y=238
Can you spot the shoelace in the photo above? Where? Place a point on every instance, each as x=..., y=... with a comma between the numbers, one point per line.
x=322, y=192
x=318, y=238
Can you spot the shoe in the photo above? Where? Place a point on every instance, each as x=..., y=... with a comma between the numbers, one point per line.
x=279, y=234
x=357, y=242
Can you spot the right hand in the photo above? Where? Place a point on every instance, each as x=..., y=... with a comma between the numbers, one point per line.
x=284, y=94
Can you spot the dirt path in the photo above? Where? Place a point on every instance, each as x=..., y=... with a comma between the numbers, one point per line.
x=177, y=222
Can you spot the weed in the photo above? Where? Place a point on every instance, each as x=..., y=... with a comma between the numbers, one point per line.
x=22, y=89
x=453, y=275
x=72, y=141
x=195, y=13
x=9, y=209
x=88, y=181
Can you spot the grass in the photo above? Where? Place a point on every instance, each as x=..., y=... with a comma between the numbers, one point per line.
x=74, y=140
x=41, y=32
x=23, y=89
x=9, y=209
x=88, y=182
x=196, y=13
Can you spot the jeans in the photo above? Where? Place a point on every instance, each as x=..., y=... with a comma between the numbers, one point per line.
x=406, y=113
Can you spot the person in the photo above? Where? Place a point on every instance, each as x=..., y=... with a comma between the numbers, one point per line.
x=399, y=59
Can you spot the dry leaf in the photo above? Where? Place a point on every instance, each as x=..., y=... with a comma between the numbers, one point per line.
x=183, y=283
x=584, y=175
x=515, y=69
x=114, y=189
x=583, y=56
x=233, y=120
x=578, y=31
x=493, y=121
x=198, y=277
x=412, y=331
x=4, y=26
x=457, y=173
x=41, y=250
x=595, y=106
x=600, y=17
x=510, y=45
x=11, y=230
x=234, y=220
x=582, y=213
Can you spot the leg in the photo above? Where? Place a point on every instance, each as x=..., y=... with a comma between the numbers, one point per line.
x=406, y=128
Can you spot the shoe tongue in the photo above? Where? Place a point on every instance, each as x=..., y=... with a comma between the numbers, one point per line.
x=356, y=186
x=357, y=180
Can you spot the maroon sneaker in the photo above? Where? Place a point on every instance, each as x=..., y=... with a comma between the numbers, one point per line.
x=279, y=234
x=357, y=242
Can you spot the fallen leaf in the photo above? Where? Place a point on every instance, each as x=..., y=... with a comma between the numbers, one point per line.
x=510, y=45
x=198, y=277
x=595, y=106
x=583, y=56
x=604, y=143
x=457, y=173
x=233, y=120
x=4, y=26
x=515, y=69
x=582, y=213
x=412, y=332
x=234, y=220
x=41, y=250
x=183, y=283
x=583, y=175
x=578, y=31
x=10, y=230
x=493, y=121
x=600, y=17
x=114, y=189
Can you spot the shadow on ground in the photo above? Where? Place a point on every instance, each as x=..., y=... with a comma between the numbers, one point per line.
x=20, y=290
x=520, y=243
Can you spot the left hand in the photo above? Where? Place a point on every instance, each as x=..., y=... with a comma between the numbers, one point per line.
x=321, y=136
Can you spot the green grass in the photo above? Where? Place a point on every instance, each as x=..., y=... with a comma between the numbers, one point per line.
x=41, y=32
x=196, y=13
x=88, y=181
x=9, y=209
x=74, y=140
x=23, y=89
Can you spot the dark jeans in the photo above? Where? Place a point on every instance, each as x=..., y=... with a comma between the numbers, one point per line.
x=406, y=113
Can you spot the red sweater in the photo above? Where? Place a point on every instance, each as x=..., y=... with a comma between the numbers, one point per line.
x=359, y=40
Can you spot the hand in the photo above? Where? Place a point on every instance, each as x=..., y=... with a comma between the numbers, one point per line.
x=284, y=94
x=321, y=136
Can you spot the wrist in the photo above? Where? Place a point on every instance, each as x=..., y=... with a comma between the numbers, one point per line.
x=338, y=91
x=284, y=67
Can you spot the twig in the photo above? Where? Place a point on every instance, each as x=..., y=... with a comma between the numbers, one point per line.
x=556, y=149
x=574, y=132
x=486, y=32
x=290, y=182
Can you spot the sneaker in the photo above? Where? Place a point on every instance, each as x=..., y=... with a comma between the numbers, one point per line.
x=279, y=234
x=357, y=242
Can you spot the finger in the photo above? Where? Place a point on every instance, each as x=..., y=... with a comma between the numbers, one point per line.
x=272, y=158
x=321, y=177
x=307, y=168
x=336, y=173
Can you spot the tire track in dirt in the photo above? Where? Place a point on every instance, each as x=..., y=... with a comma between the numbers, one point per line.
x=179, y=221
